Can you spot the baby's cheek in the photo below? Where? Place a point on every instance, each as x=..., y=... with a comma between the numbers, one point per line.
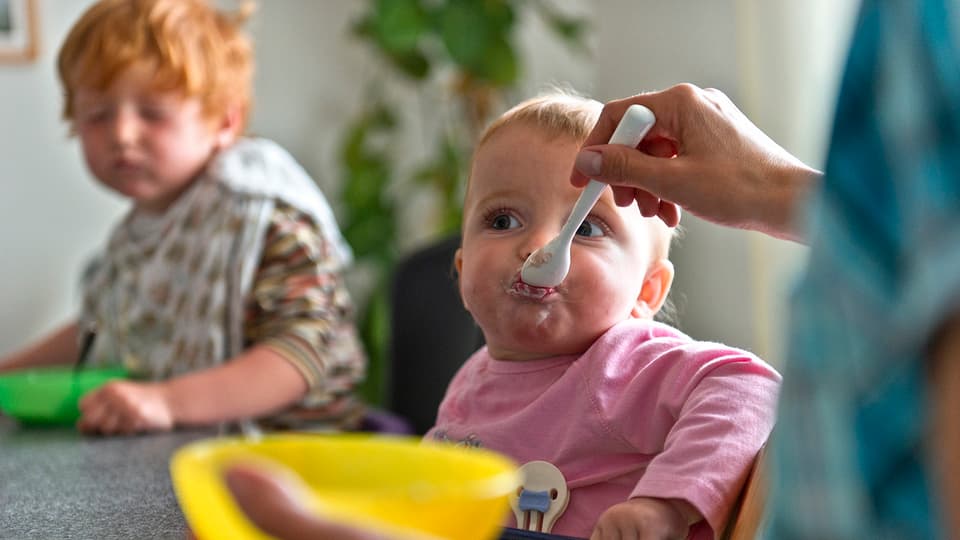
x=467, y=291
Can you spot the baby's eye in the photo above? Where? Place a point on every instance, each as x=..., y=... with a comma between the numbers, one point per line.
x=589, y=229
x=502, y=222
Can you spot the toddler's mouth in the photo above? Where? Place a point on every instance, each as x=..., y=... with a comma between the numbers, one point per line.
x=127, y=165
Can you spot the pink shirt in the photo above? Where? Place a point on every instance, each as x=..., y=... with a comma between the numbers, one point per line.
x=646, y=411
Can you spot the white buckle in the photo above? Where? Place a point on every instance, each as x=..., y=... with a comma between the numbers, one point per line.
x=541, y=498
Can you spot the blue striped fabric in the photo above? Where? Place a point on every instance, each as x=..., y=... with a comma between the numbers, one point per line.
x=884, y=270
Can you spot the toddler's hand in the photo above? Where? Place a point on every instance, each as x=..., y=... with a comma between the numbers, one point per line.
x=642, y=518
x=123, y=407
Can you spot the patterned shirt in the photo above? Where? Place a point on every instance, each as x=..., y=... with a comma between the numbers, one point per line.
x=849, y=450
x=249, y=254
x=300, y=307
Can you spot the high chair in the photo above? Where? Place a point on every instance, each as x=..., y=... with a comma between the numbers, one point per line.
x=747, y=513
x=431, y=334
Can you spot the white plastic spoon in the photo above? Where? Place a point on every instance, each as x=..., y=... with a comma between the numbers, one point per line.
x=547, y=266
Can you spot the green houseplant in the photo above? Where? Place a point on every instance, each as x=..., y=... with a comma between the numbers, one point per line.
x=466, y=52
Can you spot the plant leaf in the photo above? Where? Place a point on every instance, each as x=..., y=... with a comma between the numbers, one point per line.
x=499, y=64
x=398, y=25
x=464, y=31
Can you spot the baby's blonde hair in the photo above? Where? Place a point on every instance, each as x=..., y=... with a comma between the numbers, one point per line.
x=191, y=47
x=566, y=114
x=558, y=114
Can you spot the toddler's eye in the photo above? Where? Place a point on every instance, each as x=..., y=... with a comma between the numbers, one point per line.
x=502, y=222
x=589, y=229
x=93, y=115
x=153, y=114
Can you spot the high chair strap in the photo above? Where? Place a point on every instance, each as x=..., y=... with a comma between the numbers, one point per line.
x=542, y=497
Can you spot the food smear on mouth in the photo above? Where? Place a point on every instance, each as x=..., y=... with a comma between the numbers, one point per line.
x=530, y=291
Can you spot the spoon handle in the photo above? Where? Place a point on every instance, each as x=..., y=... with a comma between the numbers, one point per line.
x=588, y=197
x=634, y=125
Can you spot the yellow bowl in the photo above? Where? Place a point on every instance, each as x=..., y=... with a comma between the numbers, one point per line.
x=390, y=484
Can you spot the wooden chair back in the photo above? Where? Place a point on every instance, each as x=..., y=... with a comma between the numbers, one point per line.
x=747, y=514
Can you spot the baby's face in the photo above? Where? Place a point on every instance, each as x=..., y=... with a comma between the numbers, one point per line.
x=143, y=144
x=518, y=199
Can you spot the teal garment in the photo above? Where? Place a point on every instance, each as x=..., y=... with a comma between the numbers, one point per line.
x=848, y=453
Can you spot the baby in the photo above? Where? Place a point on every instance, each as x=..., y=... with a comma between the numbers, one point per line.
x=652, y=431
x=222, y=286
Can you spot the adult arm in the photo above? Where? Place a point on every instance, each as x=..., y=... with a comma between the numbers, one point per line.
x=724, y=169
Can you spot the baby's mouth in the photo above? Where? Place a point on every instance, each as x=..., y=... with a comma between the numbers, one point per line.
x=524, y=290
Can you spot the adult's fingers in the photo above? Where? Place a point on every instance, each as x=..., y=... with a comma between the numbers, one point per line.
x=668, y=108
x=626, y=167
x=669, y=213
x=274, y=503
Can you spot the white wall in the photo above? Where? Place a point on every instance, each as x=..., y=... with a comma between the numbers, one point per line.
x=778, y=60
x=310, y=77
x=52, y=213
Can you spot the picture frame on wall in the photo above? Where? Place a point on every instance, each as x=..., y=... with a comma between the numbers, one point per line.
x=19, y=41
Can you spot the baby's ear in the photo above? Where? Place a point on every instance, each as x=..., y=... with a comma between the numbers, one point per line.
x=656, y=286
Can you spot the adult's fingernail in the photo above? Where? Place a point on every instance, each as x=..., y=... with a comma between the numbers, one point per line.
x=589, y=163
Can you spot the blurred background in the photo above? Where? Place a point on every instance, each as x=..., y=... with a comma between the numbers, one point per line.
x=379, y=106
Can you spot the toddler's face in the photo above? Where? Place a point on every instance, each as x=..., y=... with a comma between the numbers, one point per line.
x=143, y=144
x=518, y=199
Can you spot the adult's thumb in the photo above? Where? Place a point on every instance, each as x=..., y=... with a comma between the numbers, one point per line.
x=619, y=166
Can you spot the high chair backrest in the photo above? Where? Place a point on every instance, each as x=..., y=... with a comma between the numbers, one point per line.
x=432, y=334
x=747, y=514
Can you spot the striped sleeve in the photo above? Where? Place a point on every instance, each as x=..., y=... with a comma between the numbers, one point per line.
x=300, y=307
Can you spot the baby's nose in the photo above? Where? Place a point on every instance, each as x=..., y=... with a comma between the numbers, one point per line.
x=534, y=241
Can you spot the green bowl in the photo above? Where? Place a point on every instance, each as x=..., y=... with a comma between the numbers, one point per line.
x=49, y=396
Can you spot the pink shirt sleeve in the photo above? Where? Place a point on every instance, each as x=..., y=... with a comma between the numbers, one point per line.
x=717, y=412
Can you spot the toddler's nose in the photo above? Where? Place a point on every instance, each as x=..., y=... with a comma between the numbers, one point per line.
x=126, y=126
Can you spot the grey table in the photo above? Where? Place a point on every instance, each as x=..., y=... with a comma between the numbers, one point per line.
x=57, y=484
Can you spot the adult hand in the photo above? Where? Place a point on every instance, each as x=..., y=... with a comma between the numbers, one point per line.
x=124, y=407
x=273, y=501
x=723, y=169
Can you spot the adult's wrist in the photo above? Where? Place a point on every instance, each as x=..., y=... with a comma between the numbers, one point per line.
x=781, y=213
